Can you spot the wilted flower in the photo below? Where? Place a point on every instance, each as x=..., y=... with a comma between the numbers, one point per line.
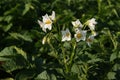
x=77, y=24
x=91, y=23
x=52, y=16
x=80, y=35
x=90, y=40
x=66, y=35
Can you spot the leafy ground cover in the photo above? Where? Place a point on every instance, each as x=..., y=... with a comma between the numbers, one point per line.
x=59, y=40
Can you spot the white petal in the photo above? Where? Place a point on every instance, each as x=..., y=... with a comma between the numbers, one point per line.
x=91, y=40
x=63, y=39
x=89, y=44
x=73, y=23
x=77, y=23
x=84, y=35
x=40, y=23
x=94, y=33
x=64, y=33
x=46, y=18
x=67, y=30
x=92, y=27
x=52, y=16
x=92, y=23
x=47, y=26
x=44, y=29
x=69, y=38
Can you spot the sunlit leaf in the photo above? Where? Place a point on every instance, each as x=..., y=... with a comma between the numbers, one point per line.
x=8, y=79
x=27, y=8
x=75, y=68
x=116, y=67
x=24, y=36
x=8, y=18
x=53, y=77
x=7, y=27
x=42, y=76
x=113, y=56
x=20, y=51
x=111, y=75
x=14, y=59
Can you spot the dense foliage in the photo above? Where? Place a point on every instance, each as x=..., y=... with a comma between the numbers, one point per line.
x=24, y=57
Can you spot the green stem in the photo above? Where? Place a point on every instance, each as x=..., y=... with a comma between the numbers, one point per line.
x=73, y=54
x=65, y=64
x=113, y=40
x=99, y=5
x=85, y=25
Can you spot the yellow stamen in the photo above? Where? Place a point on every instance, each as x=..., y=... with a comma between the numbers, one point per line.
x=89, y=40
x=79, y=35
x=67, y=34
x=47, y=22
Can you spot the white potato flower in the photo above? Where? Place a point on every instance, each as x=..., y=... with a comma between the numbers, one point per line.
x=77, y=24
x=47, y=21
x=66, y=35
x=90, y=40
x=46, y=24
x=80, y=35
x=92, y=23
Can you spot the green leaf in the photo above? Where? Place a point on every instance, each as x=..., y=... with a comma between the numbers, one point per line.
x=113, y=56
x=7, y=27
x=53, y=77
x=119, y=54
x=94, y=60
x=8, y=18
x=25, y=36
x=116, y=67
x=14, y=58
x=8, y=79
x=75, y=68
x=1, y=18
x=25, y=74
x=60, y=71
x=20, y=51
x=12, y=51
x=8, y=51
x=28, y=6
x=53, y=54
x=67, y=45
x=15, y=63
x=111, y=75
x=11, y=10
x=42, y=76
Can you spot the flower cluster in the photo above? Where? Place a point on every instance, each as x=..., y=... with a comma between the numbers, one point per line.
x=79, y=29
x=80, y=33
